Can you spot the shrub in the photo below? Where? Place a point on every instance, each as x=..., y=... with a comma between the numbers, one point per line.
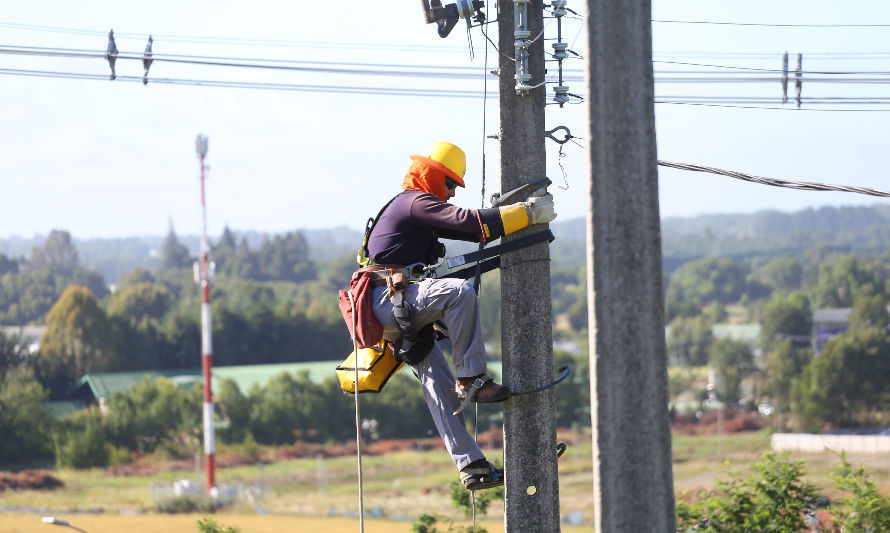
x=864, y=509
x=209, y=525
x=460, y=498
x=425, y=523
x=773, y=498
x=80, y=440
x=186, y=504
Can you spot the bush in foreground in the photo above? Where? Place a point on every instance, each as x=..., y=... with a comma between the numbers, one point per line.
x=775, y=498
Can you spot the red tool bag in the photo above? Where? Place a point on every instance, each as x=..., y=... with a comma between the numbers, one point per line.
x=367, y=330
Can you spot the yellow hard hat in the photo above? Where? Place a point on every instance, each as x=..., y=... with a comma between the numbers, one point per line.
x=448, y=156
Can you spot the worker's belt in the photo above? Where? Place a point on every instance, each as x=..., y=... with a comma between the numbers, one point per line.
x=392, y=276
x=488, y=259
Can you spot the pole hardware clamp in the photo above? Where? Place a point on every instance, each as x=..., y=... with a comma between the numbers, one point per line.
x=567, y=138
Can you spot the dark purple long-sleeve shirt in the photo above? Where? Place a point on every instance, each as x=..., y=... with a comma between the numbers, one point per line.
x=407, y=229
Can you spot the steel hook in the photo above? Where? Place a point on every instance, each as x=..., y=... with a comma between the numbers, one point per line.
x=559, y=141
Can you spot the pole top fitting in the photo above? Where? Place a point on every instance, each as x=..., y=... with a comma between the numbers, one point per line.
x=201, y=145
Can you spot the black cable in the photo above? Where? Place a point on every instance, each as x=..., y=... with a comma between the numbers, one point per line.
x=715, y=23
x=798, y=185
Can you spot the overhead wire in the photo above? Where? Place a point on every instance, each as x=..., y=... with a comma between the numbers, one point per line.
x=770, y=25
x=449, y=72
x=347, y=89
x=798, y=185
x=241, y=41
x=774, y=182
x=409, y=70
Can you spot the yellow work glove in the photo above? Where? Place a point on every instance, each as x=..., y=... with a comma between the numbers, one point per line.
x=540, y=209
x=535, y=210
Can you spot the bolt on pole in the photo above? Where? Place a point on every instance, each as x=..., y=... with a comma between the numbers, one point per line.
x=532, y=484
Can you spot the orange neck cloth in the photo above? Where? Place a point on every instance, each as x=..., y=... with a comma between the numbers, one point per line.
x=424, y=176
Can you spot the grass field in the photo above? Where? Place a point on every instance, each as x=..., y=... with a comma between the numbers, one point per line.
x=321, y=495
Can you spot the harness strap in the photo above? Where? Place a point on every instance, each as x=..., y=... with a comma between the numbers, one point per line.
x=364, y=254
x=420, y=342
x=487, y=253
x=478, y=383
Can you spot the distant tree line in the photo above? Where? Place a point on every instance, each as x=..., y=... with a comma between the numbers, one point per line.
x=157, y=416
x=844, y=386
x=273, y=303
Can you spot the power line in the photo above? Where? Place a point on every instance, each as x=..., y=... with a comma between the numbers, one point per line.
x=716, y=101
x=343, y=89
x=456, y=72
x=798, y=185
x=770, y=25
x=284, y=43
x=771, y=108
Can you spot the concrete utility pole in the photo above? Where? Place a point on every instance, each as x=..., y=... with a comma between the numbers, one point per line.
x=532, y=485
x=633, y=484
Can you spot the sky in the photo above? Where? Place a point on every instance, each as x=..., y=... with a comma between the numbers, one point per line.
x=104, y=158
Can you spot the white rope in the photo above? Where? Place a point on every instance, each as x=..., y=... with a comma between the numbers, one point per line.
x=358, y=424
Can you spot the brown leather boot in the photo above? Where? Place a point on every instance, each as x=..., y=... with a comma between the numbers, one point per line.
x=482, y=389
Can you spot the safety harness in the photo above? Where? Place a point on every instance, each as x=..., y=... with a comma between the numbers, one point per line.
x=413, y=345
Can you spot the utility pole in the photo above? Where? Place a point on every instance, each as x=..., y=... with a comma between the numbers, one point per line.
x=633, y=483
x=532, y=484
x=204, y=277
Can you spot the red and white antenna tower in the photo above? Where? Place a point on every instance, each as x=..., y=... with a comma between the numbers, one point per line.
x=204, y=277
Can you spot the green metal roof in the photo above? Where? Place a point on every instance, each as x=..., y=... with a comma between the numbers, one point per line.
x=104, y=384
x=248, y=375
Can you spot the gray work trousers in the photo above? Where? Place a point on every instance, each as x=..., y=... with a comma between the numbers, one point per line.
x=454, y=303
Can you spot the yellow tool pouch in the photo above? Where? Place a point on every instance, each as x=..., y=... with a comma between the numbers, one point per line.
x=375, y=366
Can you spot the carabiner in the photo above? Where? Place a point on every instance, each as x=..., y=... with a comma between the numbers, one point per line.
x=421, y=271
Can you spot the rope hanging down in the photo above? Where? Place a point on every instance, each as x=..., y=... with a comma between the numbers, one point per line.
x=798, y=185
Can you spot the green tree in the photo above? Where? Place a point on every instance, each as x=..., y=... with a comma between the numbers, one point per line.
x=573, y=394
x=842, y=281
x=143, y=301
x=76, y=341
x=707, y=280
x=224, y=250
x=235, y=408
x=13, y=353
x=786, y=318
x=286, y=409
x=783, y=363
x=286, y=258
x=135, y=277
x=156, y=413
x=689, y=341
x=8, y=265
x=782, y=273
x=60, y=251
x=733, y=362
x=25, y=422
x=80, y=440
x=869, y=310
x=846, y=384
x=174, y=254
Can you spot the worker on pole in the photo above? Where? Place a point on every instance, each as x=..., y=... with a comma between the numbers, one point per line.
x=406, y=232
